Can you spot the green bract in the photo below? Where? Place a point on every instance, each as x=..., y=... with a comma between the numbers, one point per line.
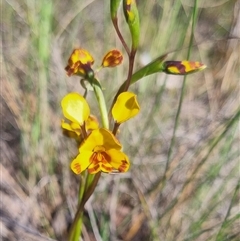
x=132, y=18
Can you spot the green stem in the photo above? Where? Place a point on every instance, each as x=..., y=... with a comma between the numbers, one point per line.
x=115, y=128
x=84, y=176
x=115, y=24
x=89, y=180
x=82, y=185
x=78, y=229
x=130, y=69
x=101, y=102
x=127, y=82
x=77, y=222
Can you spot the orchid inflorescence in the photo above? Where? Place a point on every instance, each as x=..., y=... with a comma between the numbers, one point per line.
x=99, y=148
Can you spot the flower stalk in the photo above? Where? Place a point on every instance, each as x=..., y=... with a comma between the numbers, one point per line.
x=101, y=102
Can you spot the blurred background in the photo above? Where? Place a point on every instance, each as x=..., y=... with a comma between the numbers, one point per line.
x=182, y=184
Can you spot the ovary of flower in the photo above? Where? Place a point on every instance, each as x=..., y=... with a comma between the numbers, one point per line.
x=101, y=151
x=75, y=108
x=125, y=107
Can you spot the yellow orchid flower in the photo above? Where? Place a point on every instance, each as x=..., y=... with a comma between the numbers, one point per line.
x=101, y=151
x=125, y=107
x=80, y=63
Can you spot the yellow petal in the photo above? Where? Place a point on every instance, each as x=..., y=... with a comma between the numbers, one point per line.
x=97, y=167
x=92, y=123
x=66, y=126
x=125, y=107
x=119, y=160
x=100, y=137
x=75, y=108
x=74, y=127
x=81, y=162
x=81, y=55
x=94, y=168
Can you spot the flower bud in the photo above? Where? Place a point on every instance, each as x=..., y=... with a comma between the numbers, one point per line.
x=80, y=63
x=182, y=67
x=132, y=18
x=112, y=58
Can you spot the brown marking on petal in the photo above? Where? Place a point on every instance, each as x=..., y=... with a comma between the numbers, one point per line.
x=192, y=66
x=175, y=67
x=94, y=169
x=100, y=157
x=72, y=68
x=181, y=68
x=93, y=158
x=107, y=168
x=123, y=167
x=77, y=168
x=129, y=4
x=128, y=8
x=69, y=70
x=105, y=157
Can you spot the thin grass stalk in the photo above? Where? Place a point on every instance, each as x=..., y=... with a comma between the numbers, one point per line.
x=213, y=144
x=161, y=183
x=78, y=228
x=176, y=122
x=43, y=54
x=235, y=194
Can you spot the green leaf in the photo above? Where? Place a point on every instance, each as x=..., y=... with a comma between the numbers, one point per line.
x=153, y=67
